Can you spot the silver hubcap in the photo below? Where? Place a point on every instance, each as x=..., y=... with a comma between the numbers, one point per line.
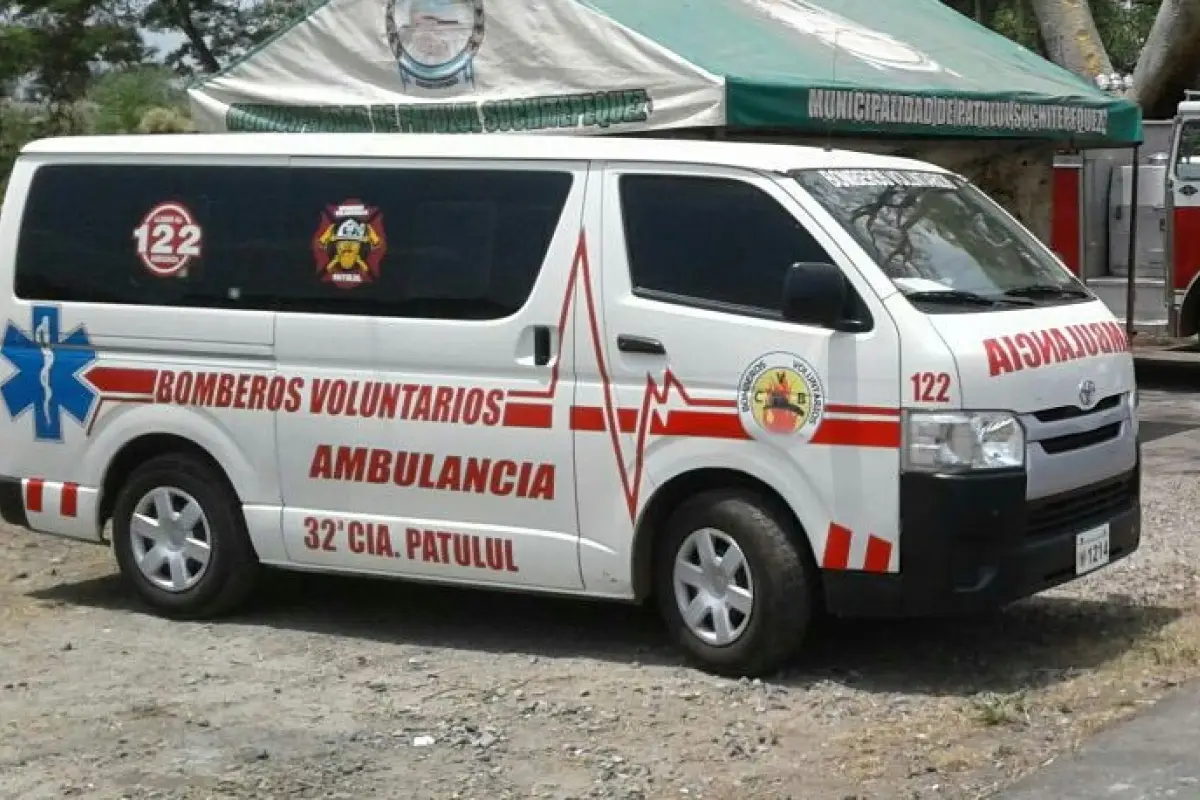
x=172, y=542
x=713, y=586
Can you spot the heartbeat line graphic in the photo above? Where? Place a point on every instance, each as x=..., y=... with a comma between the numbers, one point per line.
x=711, y=418
x=655, y=395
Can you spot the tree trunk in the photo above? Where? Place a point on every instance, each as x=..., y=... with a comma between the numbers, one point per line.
x=183, y=18
x=1170, y=59
x=1071, y=38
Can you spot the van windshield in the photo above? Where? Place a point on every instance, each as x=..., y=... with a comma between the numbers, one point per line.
x=940, y=239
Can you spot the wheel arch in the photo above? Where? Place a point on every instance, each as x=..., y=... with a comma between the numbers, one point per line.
x=136, y=432
x=687, y=484
x=1189, y=309
x=138, y=451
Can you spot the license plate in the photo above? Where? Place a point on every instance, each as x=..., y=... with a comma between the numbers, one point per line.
x=1091, y=550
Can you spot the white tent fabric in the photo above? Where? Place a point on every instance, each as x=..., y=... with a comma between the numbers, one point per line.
x=452, y=66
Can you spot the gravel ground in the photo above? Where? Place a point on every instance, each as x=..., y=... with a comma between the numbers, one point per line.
x=359, y=689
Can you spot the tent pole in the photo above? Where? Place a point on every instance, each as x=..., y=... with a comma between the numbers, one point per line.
x=1131, y=274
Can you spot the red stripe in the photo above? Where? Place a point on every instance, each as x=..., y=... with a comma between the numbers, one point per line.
x=858, y=433
x=879, y=554
x=585, y=418
x=528, y=415
x=711, y=424
x=118, y=380
x=69, y=503
x=837, y=547
x=866, y=411
x=33, y=494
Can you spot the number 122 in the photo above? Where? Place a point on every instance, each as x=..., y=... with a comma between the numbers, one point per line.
x=931, y=387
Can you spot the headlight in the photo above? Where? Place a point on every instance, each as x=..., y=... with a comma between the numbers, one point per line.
x=961, y=441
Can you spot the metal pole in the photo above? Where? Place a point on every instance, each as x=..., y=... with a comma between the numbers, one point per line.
x=1131, y=276
x=1169, y=234
x=1082, y=182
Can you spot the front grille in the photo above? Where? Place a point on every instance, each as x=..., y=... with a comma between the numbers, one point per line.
x=1075, y=441
x=1081, y=508
x=1071, y=412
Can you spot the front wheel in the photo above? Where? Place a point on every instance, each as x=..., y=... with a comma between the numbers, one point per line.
x=180, y=539
x=733, y=587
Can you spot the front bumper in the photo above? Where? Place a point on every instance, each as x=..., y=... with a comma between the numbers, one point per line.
x=970, y=543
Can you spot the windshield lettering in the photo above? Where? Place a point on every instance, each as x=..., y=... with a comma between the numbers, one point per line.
x=851, y=178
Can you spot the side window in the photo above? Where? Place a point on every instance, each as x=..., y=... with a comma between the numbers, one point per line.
x=710, y=239
x=451, y=244
x=1187, y=160
x=427, y=243
x=152, y=235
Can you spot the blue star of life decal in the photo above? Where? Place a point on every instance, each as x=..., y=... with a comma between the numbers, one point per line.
x=47, y=380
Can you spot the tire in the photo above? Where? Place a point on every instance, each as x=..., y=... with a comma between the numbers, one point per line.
x=231, y=572
x=782, y=580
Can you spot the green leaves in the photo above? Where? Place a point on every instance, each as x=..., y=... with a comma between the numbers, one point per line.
x=121, y=98
x=1123, y=26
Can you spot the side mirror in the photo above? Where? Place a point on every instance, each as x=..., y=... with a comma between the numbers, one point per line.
x=816, y=293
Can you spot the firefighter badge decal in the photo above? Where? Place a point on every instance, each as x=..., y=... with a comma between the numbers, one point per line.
x=349, y=244
x=780, y=398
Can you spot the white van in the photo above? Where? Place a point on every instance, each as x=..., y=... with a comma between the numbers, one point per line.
x=753, y=382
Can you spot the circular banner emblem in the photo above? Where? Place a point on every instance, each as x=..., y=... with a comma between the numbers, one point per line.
x=780, y=396
x=167, y=239
x=435, y=41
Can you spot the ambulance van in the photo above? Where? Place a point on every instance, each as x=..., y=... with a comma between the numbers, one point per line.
x=751, y=384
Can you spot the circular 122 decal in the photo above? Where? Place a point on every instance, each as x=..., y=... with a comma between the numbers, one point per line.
x=167, y=239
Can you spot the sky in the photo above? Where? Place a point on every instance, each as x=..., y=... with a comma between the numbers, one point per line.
x=164, y=42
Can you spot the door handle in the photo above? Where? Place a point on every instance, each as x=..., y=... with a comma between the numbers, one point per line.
x=640, y=344
x=541, y=345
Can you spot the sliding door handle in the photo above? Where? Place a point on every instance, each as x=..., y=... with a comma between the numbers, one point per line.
x=541, y=345
x=640, y=344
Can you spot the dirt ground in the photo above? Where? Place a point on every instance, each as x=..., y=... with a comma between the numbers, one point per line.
x=360, y=689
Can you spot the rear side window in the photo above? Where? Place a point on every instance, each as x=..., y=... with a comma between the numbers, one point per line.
x=459, y=244
x=152, y=235
x=714, y=241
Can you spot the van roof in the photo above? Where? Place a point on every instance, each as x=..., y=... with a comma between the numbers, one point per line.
x=533, y=147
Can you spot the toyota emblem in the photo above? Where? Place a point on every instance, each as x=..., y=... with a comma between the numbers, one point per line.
x=1087, y=393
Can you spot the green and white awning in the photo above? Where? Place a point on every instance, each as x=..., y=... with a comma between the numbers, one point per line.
x=875, y=67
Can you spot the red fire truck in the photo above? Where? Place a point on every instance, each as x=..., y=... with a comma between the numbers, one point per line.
x=1112, y=210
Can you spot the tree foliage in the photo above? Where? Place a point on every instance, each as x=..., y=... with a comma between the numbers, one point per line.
x=1122, y=26
x=122, y=97
x=215, y=32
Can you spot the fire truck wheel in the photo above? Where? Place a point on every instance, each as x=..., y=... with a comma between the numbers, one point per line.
x=732, y=583
x=180, y=539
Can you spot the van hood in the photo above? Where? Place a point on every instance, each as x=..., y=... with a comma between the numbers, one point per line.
x=1033, y=359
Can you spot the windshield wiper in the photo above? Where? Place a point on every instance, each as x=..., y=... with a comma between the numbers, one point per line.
x=952, y=296
x=1044, y=290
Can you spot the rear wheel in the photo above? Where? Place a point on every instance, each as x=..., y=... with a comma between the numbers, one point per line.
x=733, y=587
x=180, y=539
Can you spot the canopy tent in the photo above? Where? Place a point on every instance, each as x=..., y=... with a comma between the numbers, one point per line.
x=882, y=68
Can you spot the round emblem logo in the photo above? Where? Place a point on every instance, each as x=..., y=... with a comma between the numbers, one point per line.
x=168, y=239
x=780, y=395
x=1087, y=394
x=435, y=41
